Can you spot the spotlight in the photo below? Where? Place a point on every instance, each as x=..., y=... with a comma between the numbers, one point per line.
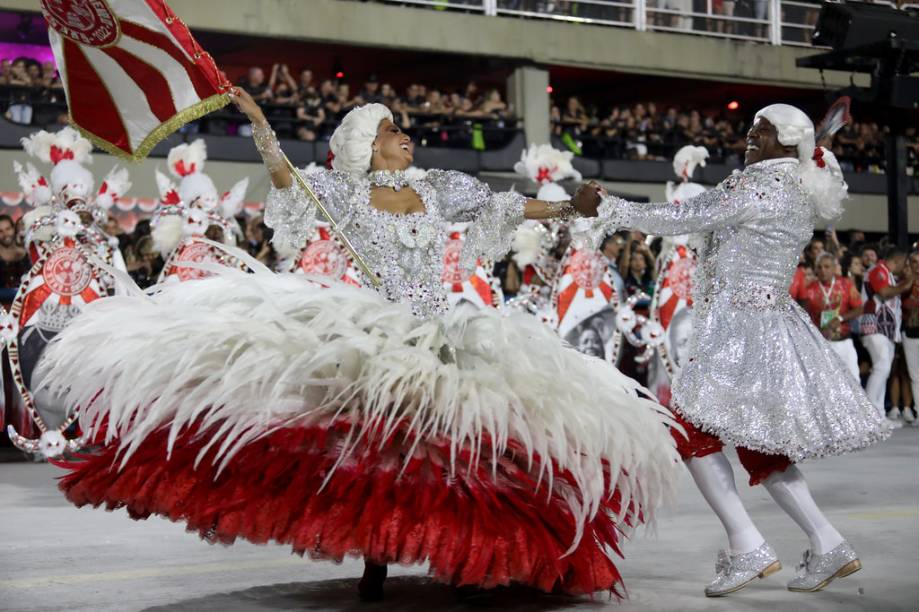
x=549, y=89
x=339, y=75
x=733, y=105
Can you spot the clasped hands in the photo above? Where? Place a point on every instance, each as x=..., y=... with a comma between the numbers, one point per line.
x=588, y=198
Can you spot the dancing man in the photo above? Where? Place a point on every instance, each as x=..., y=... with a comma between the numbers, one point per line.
x=759, y=375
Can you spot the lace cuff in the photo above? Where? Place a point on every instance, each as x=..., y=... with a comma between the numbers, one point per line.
x=291, y=214
x=612, y=215
x=266, y=142
x=492, y=233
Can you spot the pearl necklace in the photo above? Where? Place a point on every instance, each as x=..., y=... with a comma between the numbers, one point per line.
x=394, y=179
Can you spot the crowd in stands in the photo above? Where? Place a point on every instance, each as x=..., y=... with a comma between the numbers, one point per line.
x=32, y=92
x=303, y=106
x=308, y=108
x=653, y=131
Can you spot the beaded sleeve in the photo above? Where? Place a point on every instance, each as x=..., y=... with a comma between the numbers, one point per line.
x=731, y=202
x=291, y=212
x=494, y=216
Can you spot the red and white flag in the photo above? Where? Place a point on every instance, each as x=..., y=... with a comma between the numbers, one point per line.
x=132, y=71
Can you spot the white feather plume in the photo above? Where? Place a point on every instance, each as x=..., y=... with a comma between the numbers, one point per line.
x=193, y=155
x=231, y=204
x=39, y=144
x=546, y=162
x=194, y=353
x=34, y=186
x=167, y=233
x=686, y=160
x=164, y=184
x=527, y=245
x=117, y=183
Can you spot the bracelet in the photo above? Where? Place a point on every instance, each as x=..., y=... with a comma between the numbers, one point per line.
x=266, y=142
x=562, y=210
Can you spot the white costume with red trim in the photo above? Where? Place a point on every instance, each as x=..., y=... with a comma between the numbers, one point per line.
x=188, y=211
x=671, y=304
x=68, y=194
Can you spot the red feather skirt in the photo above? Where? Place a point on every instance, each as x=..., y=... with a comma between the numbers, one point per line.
x=486, y=522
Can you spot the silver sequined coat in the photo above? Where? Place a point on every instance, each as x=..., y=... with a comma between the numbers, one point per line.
x=759, y=374
x=405, y=251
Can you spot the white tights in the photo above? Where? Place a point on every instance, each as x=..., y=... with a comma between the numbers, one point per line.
x=791, y=493
x=715, y=478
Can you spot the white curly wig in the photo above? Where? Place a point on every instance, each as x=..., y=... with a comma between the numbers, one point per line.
x=819, y=171
x=352, y=141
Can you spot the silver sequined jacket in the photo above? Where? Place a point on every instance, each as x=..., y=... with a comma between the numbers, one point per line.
x=405, y=251
x=759, y=374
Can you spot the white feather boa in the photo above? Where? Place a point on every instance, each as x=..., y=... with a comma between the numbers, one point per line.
x=256, y=352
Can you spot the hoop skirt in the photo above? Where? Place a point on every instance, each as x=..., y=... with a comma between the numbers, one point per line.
x=287, y=409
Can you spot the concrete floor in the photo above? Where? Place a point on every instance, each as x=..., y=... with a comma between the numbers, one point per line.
x=56, y=557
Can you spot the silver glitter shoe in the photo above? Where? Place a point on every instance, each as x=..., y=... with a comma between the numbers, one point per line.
x=817, y=571
x=733, y=573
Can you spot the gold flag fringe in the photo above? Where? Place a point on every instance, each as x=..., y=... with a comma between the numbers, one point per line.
x=186, y=115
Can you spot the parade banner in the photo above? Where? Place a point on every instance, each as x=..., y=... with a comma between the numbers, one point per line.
x=132, y=72
x=475, y=287
x=586, y=302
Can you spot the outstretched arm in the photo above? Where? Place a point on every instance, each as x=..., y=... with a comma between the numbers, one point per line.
x=265, y=141
x=727, y=204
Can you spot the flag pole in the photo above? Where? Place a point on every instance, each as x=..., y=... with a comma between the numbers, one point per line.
x=333, y=224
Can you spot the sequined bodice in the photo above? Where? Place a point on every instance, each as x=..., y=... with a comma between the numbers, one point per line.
x=405, y=251
x=749, y=231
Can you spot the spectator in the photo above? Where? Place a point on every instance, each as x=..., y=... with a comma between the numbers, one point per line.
x=612, y=248
x=311, y=114
x=639, y=271
x=144, y=262
x=493, y=104
x=833, y=302
x=911, y=336
x=254, y=84
x=305, y=86
x=283, y=87
x=258, y=241
x=880, y=325
x=371, y=92
x=14, y=261
x=345, y=101
x=330, y=102
x=20, y=109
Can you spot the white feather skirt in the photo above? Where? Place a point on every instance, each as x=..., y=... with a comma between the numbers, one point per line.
x=212, y=369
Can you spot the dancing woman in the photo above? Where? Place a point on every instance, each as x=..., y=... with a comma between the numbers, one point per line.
x=347, y=421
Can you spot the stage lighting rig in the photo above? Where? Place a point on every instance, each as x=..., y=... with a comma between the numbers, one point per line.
x=883, y=42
